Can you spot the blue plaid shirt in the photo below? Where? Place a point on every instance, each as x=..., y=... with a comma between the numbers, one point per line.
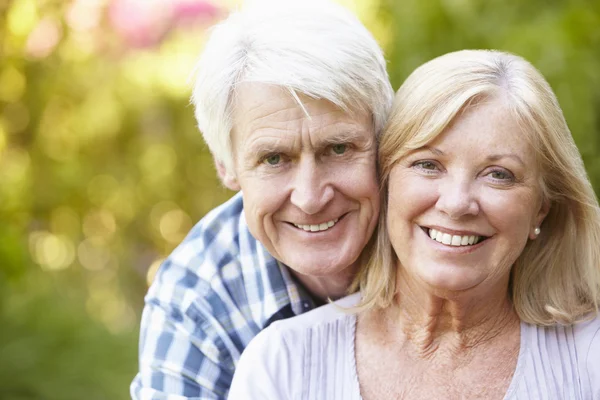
x=214, y=293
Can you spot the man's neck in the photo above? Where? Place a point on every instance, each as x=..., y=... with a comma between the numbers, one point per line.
x=325, y=288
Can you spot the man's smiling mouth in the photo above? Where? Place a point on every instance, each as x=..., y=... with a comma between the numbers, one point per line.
x=317, y=227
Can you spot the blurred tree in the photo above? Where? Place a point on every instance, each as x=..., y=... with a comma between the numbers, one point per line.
x=561, y=38
x=103, y=172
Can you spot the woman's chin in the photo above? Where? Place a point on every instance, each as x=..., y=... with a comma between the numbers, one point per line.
x=451, y=279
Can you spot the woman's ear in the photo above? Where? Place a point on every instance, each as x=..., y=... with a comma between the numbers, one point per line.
x=229, y=179
x=543, y=212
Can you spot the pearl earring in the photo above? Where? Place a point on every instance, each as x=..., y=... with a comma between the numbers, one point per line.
x=537, y=230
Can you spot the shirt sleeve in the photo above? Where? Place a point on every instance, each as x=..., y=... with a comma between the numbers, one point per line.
x=264, y=371
x=185, y=352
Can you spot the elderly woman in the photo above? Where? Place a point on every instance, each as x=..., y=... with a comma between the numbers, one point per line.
x=485, y=278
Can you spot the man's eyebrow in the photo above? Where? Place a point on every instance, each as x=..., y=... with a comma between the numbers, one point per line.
x=266, y=147
x=346, y=136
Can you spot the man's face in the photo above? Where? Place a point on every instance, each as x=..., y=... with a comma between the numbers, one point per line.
x=309, y=183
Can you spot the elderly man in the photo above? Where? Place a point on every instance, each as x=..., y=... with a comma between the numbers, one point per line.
x=290, y=97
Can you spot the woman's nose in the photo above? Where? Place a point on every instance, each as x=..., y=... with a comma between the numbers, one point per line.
x=457, y=198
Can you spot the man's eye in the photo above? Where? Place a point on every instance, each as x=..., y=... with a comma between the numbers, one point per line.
x=339, y=148
x=273, y=159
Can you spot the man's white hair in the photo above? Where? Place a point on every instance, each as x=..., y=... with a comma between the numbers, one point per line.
x=313, y=47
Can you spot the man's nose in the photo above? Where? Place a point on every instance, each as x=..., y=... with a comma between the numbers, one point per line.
x=311, y=190
x=457, y=198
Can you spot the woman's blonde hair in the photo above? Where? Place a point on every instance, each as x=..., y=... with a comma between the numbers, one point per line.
x=556, y=279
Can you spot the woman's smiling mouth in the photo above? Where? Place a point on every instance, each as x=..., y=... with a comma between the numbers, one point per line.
x=453, y=240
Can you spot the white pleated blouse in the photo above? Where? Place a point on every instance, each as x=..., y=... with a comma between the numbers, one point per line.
x=311, y=357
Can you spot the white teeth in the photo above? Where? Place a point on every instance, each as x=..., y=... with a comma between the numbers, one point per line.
x=317, y=227
x=447, y=238
x=453, y=240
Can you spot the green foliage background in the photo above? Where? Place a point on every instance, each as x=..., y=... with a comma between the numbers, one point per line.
x=102, y=171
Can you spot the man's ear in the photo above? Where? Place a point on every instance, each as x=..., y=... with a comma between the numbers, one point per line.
x=228, y=179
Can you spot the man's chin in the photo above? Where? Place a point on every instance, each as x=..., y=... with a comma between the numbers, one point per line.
x=319, y=267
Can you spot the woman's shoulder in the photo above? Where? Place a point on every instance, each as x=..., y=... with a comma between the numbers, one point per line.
x=286, y=353
x=582, y=332
x=587, y=337
x=588, y=329
x=322, y=321
x=564, y=351
x=329, y=314
x=583, y=336
x=560, y=361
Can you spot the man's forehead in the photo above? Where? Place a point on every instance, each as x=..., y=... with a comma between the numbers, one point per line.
x=255, y=101
x=268, y=110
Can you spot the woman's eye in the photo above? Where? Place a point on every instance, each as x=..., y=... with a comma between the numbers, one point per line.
x=273, y=159
x=427, y=165
x=501, y=175
x=339, y=148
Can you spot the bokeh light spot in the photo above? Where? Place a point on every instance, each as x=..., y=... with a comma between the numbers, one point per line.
x=12, y=84
x=93, y=255
x=152, y=270
x=15, y=166
x=158, y=161
x=44, y=38
x=174, y=71
x=99, y=224
x=174, y=225
x=84, y=15
x=158, y=210
x=22, y=17
x=51, y=252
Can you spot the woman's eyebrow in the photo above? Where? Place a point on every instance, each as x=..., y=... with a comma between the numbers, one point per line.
x=496, y=157
x=434, y=150
x=428, y=148
x=492, y=157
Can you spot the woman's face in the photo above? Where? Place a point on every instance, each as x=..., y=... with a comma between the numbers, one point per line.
x=461, y=209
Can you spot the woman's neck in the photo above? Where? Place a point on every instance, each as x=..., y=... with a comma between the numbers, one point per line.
x=432, y=320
